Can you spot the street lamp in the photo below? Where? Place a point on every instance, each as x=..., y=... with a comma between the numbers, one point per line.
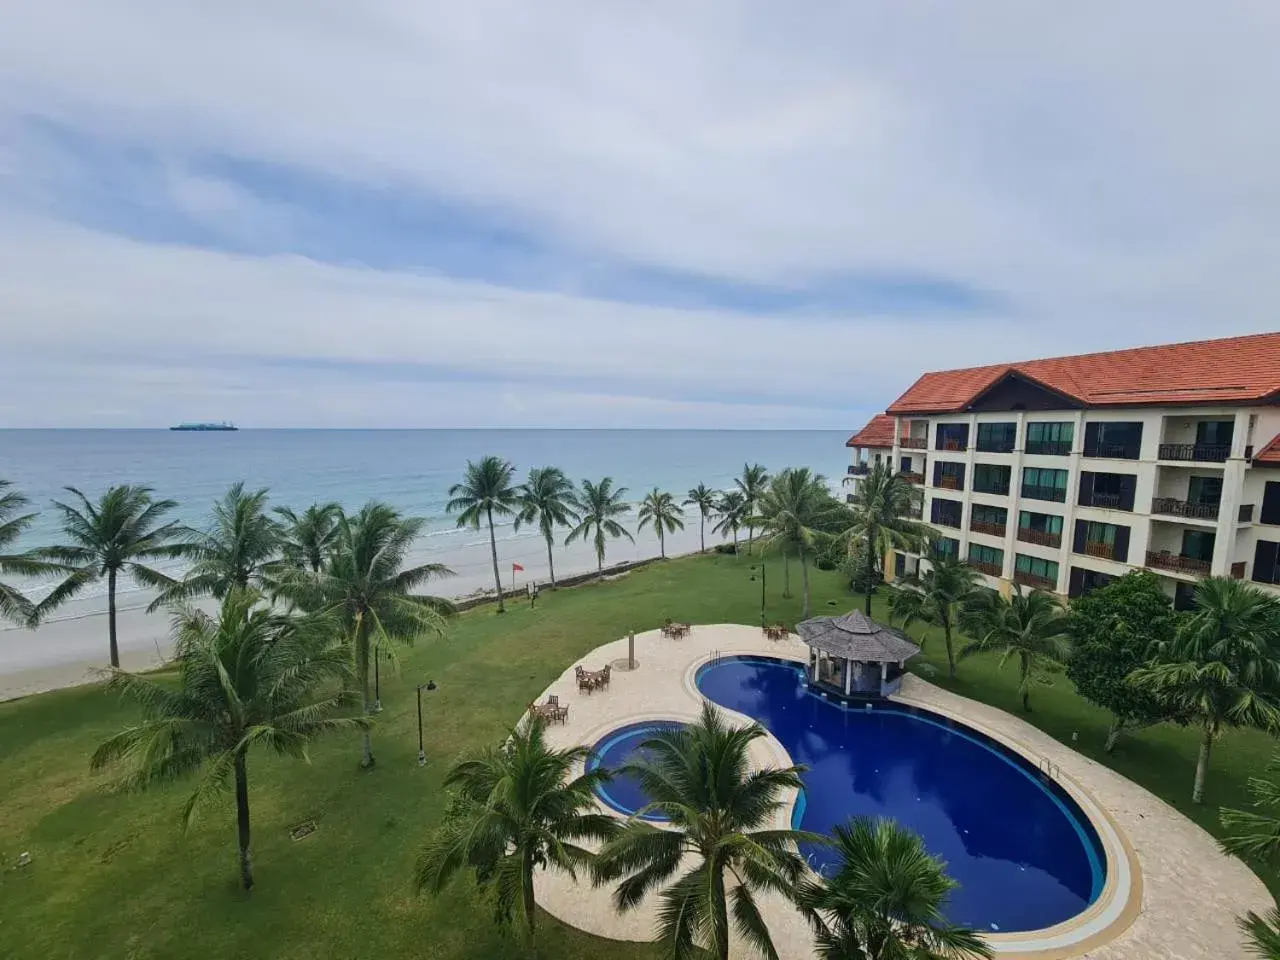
x=763, y=568
x=422, y=750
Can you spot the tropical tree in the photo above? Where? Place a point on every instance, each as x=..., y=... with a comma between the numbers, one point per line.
x=719, y=809
x=793, y=515
x=661, y=510
x=752, y=484
x=234, y=552
x=1113, y=630
x=516, y=809
x=884, y=900
x=731, y=510
x=704, y=498
x=546, y=499
x=371, y=592
x=306, y=538
x=598, y=506
x=250, y=677
x=113, y=536
x=14, y=605
x=484, y=491
x=1030, y=627
x=1222, y=667
x=879, y=518
x=1255, y=835
x=936, y=596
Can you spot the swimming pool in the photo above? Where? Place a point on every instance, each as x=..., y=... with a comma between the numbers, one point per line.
x=620, y=747
x=1023, y=852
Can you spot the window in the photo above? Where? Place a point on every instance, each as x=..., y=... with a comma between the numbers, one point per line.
x=997, y=437
x=981, y=513
x=1266, y=562
x=948, y=475
x=1206, y=491
x=989, y=478
x=905, y=465
x=952, y=436
x=899, y=564
x=989, y=556
x=946, y=512
x=1109, y=490
x=1036, y=567
x=1053, y=439
x=1107, y=540
x=1121, y=441
x=1083, y=582
x=1041, y=484
x=1040, y=522
x=1215, y=433
x=1270, y=504
x=1198, y=544
x=945, y=547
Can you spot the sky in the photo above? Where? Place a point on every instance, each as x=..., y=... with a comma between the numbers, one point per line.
x=410, y=213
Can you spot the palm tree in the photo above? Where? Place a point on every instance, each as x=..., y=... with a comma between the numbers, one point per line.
x=367, y=587
x=701, y=779
x=13, y=603
x=936, y=596
x=885, y=900
x=1222, y=667
x=307, y=538
x=516, y=809
x=792, y=515
x=485, y=490
x=1255, y=835
x=250, y=676
x=1032, y=627
x=751, y=485
x=704, y=498
x=234, y=552
x=111, y=537
x=661, y=510
x=879, y=520
x=731, y=508
x=598, y=506
x=546, y=499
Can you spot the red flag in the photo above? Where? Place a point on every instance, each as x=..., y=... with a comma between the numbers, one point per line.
x=516, y=567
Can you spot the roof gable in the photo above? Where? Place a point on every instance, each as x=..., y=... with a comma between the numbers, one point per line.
x=878, y=432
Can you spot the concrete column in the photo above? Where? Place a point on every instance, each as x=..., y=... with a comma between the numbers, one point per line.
x=884, y=676
x=848, y=676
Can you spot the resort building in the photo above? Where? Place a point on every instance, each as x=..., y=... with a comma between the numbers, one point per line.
x=1061, y=474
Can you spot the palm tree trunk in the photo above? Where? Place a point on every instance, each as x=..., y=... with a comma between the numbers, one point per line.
x=786, y=574
x=600, y=555
x=804, y=577
x=111, y=618
x=870, y=573
x=493, y=548
x=1202, y=764
x=551, y=563
x=662, y=544
x=362, y=674
x=526, y=893
x=1113, y=734
x=702, y=534
x=242, y=821
x=1025, y=687
x=720, y=909
x=951, y=656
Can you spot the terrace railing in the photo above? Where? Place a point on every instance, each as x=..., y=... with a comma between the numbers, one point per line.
x=1043, y=537
x=1167, y=560
x=1199, y=452
x=914, y=443
x=1039, y=492
x=990, y=569
x=1049, y=448
x=1173, y=507
x=985, y=526
x=1100, y=548
x=1034, y=580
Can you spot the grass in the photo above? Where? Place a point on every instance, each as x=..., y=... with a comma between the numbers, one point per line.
x=114, y=876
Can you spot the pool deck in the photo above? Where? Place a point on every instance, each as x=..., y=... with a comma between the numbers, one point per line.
x=1171, y=894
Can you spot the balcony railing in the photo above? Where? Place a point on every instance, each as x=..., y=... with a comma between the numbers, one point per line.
x=1173, y=507
x=1038, y=492
x=858, y=469
x=1034, y=580
x=1100, y=548
x=949, y=481
x=1114, y=451
x=990, y=529
x=1200, y=452
x=1109, y=501
x=914, y=443
x=1246, y=513
x=952, y=445
x=914, y=512
x=1043, y=537
x=1049, y=448
x=947, y=520
x=995, y=446
x=912, y=477
x=1165, y=560
x=1237, y=571
x=990, y=569
x=998, y=487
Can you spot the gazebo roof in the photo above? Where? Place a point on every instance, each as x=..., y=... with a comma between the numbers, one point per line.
x=856, y=636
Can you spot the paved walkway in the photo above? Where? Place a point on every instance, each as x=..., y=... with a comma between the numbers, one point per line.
x=1171, y=894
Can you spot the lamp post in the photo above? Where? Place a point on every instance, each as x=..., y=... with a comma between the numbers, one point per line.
x=422, y=750
x=763, y=622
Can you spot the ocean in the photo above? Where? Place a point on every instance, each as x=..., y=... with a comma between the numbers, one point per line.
x=410, y=469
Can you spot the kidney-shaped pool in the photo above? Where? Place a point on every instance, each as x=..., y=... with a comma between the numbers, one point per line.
x=1023, y=852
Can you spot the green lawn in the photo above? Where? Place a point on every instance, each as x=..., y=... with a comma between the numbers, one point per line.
x=114, y=876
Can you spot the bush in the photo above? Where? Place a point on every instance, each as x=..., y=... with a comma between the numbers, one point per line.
x=728, y=548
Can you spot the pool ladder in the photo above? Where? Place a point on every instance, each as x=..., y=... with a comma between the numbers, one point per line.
x=1049, y=768
x=714, y=657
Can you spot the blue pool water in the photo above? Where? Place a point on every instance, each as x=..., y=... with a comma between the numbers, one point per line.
x=1023, y=853
x=620, y=747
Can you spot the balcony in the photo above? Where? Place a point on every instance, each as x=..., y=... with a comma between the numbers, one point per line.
x=912, y=477
x=1049, y=448
x=946, y=520
x=914, y=443
x=1246, y=513
x=1198, y=452
x=953, y=444
x=1109, y=501
x=1165, y=560
x=858, y=469
x=998, y=487
x=990, y=529
x=1034, y=580
x=1173, y=507
x=1237, y=570
x=990, y=569
x=1037, y=492
x=1042, y=537
x=1099, y=548
x=949, y=481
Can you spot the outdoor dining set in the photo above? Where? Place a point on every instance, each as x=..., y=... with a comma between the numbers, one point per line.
x=776, y=631
x=676, y=631
x=551, y=711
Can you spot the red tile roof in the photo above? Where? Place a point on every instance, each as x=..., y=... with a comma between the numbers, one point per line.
x=1270, y=453
x=877, y=433
x=1232, y=370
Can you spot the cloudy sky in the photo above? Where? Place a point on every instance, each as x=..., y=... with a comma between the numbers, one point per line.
x=599, y=213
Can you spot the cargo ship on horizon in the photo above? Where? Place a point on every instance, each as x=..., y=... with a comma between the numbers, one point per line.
x=224, y=425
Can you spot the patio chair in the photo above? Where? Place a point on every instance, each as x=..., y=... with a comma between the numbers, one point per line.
x=562, y=714
x=553, y=700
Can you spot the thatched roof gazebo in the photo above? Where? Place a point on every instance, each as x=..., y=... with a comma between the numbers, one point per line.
x=854, y=655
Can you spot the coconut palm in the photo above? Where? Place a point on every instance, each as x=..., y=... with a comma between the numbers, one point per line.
x=113, y=536
x=484, y=491
x=704, y=498
x=661, y=510
x=885, y=899
x=1222, y=667
x=1255, y=835
x=752, y=484
x=307, y=538
x=373, y=595
x=598, y=506
x=235, y=551
x=252, y=676
x=731, y=509
x=1029, y=626
x=13, y=521
x=792, y=515
x=546, y=499
x=878, y=520
x=719, y=809
x=516, y=809
x=936, y=596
